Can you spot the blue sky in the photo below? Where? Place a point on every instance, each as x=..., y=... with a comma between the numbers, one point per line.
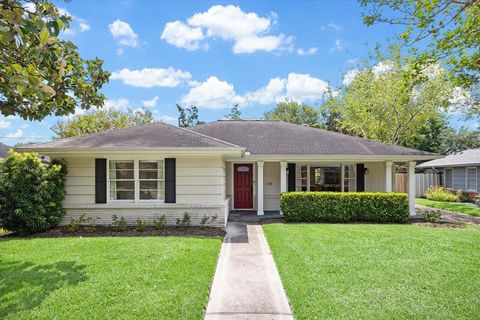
x=214, y=54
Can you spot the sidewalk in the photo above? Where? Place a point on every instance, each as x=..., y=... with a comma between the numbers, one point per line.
x=247, y=284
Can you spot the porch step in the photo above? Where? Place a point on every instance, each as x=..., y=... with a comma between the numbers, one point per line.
x=253, y=218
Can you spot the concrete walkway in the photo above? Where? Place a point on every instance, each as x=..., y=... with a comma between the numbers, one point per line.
x=247, y=284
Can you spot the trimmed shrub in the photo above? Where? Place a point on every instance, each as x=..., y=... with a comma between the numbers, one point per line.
x=344, y=206
x=31, y=193
x=462, y=196
x=437, y=193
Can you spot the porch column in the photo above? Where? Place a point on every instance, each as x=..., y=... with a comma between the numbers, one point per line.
x=260, y=188
x=283, y=177
x=388, y=176
x=411, y=187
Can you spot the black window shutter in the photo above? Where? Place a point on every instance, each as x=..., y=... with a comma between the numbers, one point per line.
x=360, y=177
x=291, y=176
x=170, y=180
x=100, y=180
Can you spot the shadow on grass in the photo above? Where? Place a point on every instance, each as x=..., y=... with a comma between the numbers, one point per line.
x=24, y=285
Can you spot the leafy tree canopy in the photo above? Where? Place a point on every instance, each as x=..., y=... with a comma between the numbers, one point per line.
x=293, y=112
x=40, y=74
x=458, y=140
x=448, y=30
x=101, y=120
x=384, y=102
x=235, y=113
x=188, y=117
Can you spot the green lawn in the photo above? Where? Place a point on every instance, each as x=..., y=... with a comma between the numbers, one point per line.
x=450, y=206
x=362, y=271
x=106, y=278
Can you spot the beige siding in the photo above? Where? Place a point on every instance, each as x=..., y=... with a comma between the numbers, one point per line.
x=201, y=189
x=271, y=186
x=375, y=179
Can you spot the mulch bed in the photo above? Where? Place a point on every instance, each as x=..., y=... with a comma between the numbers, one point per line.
x=105, y=231
x=440, y=224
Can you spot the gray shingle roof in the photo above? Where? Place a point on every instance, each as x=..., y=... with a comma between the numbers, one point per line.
x=4, y=150
x=262, y=137
x=467, y=157
x=156, y=135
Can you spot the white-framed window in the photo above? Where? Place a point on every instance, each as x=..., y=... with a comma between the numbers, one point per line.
x=122, y=180
x=349, y=178
x=136, y=180
x=471, y=178
x=448, y=178
x=151, y=180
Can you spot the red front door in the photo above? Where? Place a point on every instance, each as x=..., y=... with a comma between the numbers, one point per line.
x=243, y=186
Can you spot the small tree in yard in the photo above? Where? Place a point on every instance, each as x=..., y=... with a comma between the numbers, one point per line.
x=31, y=193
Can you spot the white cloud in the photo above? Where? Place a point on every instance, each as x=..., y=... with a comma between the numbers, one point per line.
x=272, y=92
x=332, y=26
x=77, y=23
x=299, y=87
x=349, y=76
x=152, y=77
x=119, y=104
x=248, y=31
x=25, y=126
x=84, y=26
x=212, y=94
x=180, y=35
x=338, y=45
x=16, y=134
x=150, y=103
x=308, y=52
x=303, y=87
x=4, y=124
x=382, y=68
x=168, y=119
x=124, y=33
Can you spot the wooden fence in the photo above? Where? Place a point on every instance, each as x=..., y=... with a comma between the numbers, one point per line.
x=422, y=182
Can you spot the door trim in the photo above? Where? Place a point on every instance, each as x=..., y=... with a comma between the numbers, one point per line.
x=254, y=172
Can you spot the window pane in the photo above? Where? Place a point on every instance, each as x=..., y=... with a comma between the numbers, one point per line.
x=121, y=169
x=448, y=178
x=151, y=190
x=471, y=179
x=349, y=171
x=325, y=179
x=122, y=190
x=151, y=169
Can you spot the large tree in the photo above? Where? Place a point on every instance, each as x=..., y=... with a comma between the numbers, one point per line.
x=101, y=120
x=234, y=114
x=293, y=112
x=458, y=140
x=188, y=117
x=385, y=102
x=41, y=74
x=442, y=31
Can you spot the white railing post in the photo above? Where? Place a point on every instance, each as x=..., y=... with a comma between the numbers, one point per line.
x=388, y=176
x=260, y=188
x=411, y=187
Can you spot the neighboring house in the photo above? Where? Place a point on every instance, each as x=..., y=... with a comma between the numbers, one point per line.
x=4, y=150
x=460, y=171
x=147, y=171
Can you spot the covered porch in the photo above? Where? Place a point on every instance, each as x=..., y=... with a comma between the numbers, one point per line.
x=254, y=187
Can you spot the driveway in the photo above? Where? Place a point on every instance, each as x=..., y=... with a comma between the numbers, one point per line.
x=247, y=284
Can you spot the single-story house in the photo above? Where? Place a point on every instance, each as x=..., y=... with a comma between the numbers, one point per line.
x=4, y=150
x=214, y=168
x=459, y=171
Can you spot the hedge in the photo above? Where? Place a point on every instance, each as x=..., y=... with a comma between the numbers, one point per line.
x=344, y=207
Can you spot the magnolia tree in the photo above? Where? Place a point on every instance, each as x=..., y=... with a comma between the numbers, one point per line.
x=41, y=74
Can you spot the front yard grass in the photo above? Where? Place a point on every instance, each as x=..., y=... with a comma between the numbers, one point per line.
x=450, y=206
x=106, y=277
x=367, y=271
